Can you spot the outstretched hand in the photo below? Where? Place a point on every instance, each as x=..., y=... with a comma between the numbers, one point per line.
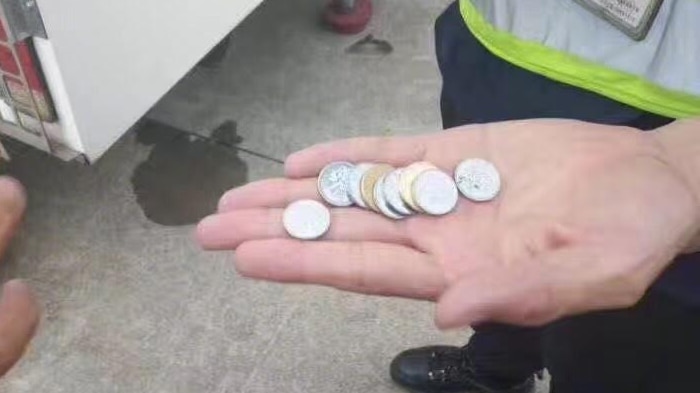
x=588, y=217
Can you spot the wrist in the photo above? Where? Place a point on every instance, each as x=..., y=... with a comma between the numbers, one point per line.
x=680, y=142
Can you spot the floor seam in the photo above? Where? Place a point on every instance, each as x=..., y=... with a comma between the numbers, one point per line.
x=219, y=142
x=234, y=147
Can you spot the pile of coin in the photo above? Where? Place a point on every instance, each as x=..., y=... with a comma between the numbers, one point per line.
x=397, y=193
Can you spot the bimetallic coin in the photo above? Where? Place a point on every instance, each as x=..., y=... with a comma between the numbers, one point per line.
x=435, y=192
x=392, y=193
x=381, y=201
x=333, y=184
x=478, y=180
x=369, y=179
x=355, y=183
x=306, y=219
x=408, y=176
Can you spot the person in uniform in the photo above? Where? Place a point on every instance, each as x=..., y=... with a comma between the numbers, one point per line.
x=636, y=63
x=585, y=264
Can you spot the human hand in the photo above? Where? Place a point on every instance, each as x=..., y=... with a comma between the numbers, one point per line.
x=588, y=217
x=19, y=316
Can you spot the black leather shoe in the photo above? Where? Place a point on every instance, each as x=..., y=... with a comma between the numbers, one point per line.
x=443, y=369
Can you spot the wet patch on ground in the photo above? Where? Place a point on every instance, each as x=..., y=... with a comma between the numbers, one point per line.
x=184, y=176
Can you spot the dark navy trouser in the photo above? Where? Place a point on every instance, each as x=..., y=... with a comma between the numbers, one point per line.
x=652, y=347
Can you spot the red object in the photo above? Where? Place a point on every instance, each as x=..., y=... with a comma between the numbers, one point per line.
x=348, y=23
x=3, y=32
x=7, y=61
x=26, y=60
x=35, y=87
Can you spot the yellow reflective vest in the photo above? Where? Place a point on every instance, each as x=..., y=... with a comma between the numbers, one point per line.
x=566, y=42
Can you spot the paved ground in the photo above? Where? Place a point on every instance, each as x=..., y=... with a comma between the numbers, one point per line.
x=133, y=306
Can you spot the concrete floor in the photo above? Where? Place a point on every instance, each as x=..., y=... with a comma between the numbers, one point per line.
x=131, y=303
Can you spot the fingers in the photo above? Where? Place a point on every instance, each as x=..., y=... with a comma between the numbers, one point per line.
x=363, y=267
x=13, y=202
x=396, y=151
x=19, y=316
x=229, y=230
x=269, y=193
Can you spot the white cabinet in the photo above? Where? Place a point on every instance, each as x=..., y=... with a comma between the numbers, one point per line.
x=105, y=63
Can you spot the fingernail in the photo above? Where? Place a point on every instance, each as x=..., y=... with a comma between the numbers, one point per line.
x=290, y=164
x=206, y=230
x=17, y=292
x=15, y=286
x=291, y=156
x=225, y=201
x=12, y=192
x=208, y=223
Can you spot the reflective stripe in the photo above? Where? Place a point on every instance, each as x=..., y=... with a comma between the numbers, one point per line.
x=570, y=45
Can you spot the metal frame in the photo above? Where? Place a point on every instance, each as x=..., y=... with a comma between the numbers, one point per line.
x=23, y=19
x=347, y=6
x=28, y=25
x=18, y=131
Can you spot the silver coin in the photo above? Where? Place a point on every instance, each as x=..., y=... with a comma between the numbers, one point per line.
x=435, y=192
x=306, y=219
x=408, y=175
x=333, y=184
x=355, y=183
x=381, y=202
x=392, y=193
x=478, y=180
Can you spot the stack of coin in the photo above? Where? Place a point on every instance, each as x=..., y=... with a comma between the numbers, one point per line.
x=396, y=193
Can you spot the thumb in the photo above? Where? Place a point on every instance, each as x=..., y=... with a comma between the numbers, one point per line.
x=527, y=293
x=19, y=316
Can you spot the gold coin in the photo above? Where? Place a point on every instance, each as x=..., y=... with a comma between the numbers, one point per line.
x=408, y=176
x=369, y=179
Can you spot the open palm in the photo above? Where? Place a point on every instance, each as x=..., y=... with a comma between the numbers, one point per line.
x=588, y=216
